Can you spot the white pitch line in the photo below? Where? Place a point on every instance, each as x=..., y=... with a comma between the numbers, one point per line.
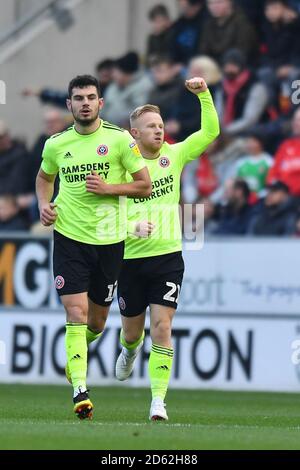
x=160, y=423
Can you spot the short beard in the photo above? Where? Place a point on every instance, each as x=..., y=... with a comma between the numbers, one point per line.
x=86, y=122
x=153, y=149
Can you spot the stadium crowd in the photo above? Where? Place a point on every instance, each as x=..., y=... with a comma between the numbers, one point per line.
x=248, y=51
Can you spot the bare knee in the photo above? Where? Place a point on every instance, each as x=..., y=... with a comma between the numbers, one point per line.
x=76, y=313
x=131, y=336
x=97, y=316
x=161, y=331
x=133, y=328
x=97, y=325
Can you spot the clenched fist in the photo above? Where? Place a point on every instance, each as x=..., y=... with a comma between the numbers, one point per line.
x=48, y=214
x=196, y=85
x=144, y=229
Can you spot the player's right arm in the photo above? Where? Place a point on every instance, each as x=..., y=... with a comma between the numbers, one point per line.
x=192, y=147
x=45, y=185
x=44, y=192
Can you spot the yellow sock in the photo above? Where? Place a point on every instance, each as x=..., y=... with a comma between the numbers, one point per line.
x=131, y=346
x=91, y=335
x=76, y=350
x=160, y=365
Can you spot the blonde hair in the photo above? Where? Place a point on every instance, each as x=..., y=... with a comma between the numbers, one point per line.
x=138, y=112
x=210, y=70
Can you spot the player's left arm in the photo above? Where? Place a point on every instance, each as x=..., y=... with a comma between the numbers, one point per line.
x=134, y=164
x=197, y=143
x=139, y=187
x=141, y=229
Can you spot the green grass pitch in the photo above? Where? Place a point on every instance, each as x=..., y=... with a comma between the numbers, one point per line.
x=41, y=417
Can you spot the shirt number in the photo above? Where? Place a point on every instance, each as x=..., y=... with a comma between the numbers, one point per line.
x=111, y=291
x=169, y=295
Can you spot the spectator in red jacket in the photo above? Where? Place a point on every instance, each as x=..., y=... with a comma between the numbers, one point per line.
x=286, y=166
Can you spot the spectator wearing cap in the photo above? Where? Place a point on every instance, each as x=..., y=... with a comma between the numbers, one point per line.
x=286, y=167
x=235, y=217
x=186, y=31
x=243, y=101
x=227, y=28
x=130, y=88
x=15, y=194
x=159, y=41
x=278, y=215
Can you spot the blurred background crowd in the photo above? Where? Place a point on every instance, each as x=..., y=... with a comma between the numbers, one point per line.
x=248, y=51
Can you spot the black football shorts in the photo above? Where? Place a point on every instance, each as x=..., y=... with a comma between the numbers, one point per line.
x=80, y=267
x=153, y=280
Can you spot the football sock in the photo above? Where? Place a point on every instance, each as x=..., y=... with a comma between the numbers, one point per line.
x=91, y=335
x=159, y=367
x=131, y=346
x=76, y=351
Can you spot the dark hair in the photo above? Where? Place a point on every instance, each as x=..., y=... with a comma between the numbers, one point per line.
x=160, y=59
x=158, y=10
x=243, y=186
x=271, y=2
x=128, y=63
x=195, y=2
x=105, y=64
x=278, y=186
x=234, y=56
x=257, y=136
x=82, y=81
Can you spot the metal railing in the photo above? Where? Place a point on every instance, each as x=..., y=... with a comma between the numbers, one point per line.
x=53, y=7
x=33, y=24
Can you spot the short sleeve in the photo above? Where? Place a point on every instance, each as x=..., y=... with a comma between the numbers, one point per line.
x=49, y=164
x=131, y=156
